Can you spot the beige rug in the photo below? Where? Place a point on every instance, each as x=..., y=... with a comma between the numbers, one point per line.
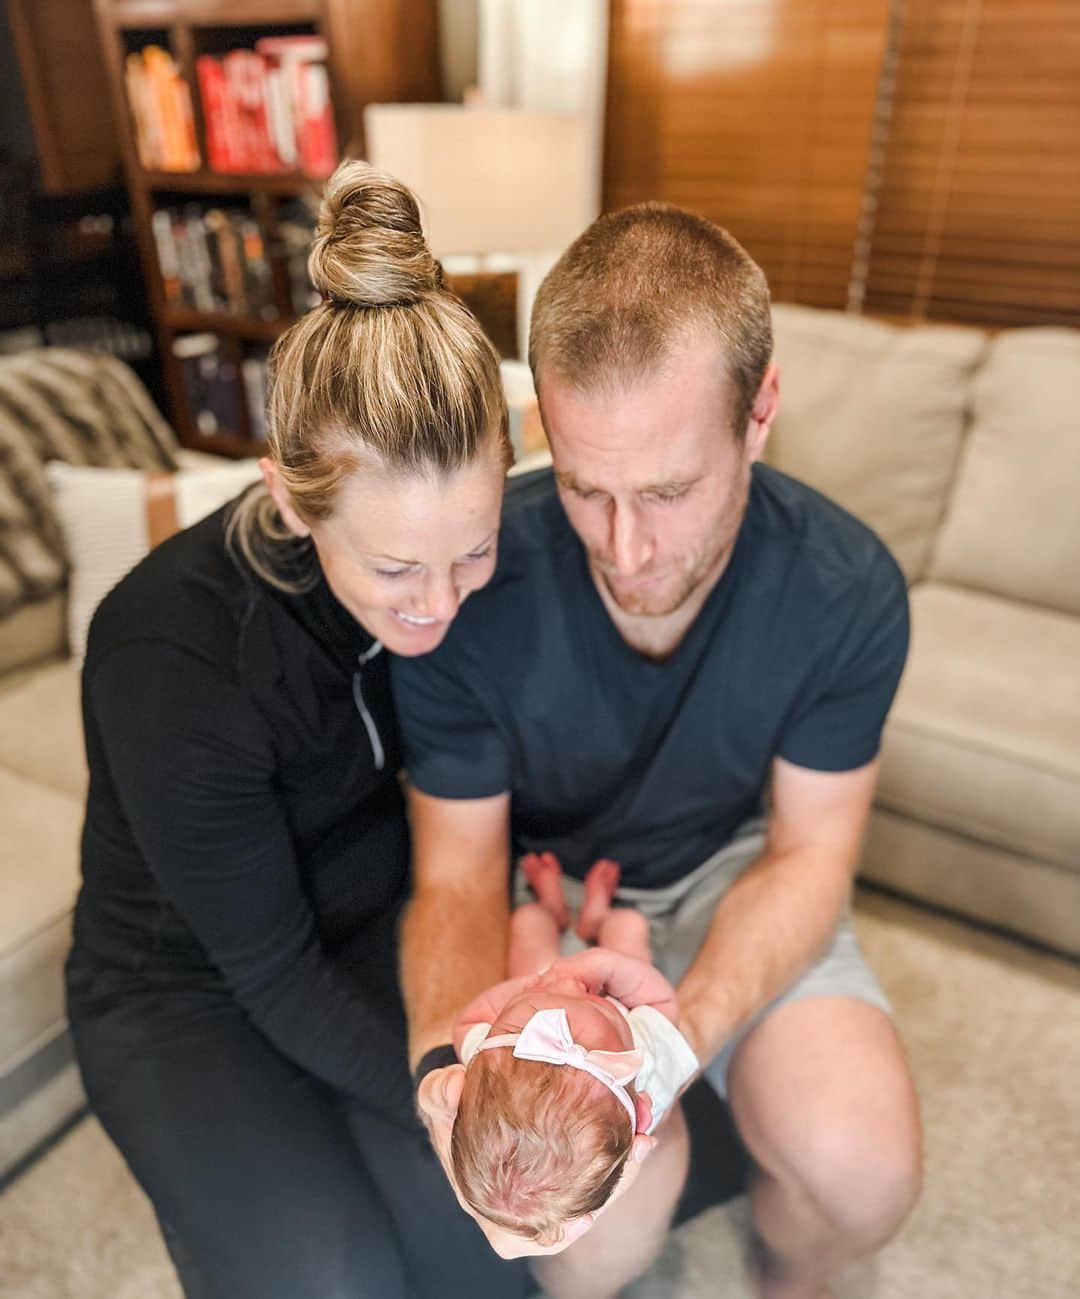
x=994, y=1035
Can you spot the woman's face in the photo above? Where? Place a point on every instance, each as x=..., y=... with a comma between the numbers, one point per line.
x=402, y=551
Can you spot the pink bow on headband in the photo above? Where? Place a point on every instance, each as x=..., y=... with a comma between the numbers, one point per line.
x=547, y=1039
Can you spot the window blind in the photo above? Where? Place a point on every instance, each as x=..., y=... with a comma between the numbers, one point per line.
x=757, y=114
x=978, y=204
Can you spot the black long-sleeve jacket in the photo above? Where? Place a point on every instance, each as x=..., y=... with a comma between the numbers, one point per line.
x=244, y=833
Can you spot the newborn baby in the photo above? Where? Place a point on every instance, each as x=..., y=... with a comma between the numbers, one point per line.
x=559, y=1078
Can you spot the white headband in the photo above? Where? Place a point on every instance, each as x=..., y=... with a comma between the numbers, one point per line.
x=547, y=1039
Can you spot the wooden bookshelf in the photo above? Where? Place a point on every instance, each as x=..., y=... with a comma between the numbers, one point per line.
x=378, y=51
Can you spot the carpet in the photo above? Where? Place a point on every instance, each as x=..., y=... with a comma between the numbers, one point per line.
x=993, y=1031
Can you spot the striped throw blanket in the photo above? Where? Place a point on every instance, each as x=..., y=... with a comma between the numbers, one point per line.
x=61, y=404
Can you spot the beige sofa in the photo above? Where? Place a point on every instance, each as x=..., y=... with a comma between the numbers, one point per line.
x=962, y=450
x=958, y=448
x=89, y=411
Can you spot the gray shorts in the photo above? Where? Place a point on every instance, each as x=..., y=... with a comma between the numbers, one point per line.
x=679, y=915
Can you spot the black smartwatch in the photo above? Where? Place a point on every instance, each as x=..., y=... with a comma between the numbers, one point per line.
x=437, y=1058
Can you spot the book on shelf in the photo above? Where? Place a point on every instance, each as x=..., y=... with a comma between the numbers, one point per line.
x=268, y=110
x=214, y=260
x=215, y=390
x=161, y=108
x=255, y=372
x=295, y=231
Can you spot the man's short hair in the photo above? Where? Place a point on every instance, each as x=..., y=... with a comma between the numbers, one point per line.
x=635, y=284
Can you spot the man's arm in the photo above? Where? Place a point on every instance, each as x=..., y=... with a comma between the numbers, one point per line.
x=455, y=929
x=780, y=914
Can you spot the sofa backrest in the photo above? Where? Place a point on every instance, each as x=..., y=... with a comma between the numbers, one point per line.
x=59, y=404
x=1012, y=526
x=873, y=415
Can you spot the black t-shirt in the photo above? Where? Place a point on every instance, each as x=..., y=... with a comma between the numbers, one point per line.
x=241, y=839
x=796, y=653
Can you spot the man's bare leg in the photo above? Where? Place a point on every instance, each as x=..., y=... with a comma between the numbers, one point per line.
x=822, y=1096
x=629, y=1234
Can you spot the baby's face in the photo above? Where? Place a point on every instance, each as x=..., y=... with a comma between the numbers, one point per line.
x=594, y=1022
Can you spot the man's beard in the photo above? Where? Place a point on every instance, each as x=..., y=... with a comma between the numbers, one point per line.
x=671, y=594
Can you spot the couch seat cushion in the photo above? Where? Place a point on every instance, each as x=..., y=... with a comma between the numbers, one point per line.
x=38, y=885
x=982, y=738
x=41, y=727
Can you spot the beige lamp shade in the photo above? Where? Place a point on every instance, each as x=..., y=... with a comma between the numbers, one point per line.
x=488, y=180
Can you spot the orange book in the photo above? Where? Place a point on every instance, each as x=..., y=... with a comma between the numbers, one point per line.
x=148, y=130
x=172, y=100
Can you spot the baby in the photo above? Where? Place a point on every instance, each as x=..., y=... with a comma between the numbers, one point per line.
x=559, y=1079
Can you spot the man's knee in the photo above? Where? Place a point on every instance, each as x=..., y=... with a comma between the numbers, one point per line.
x=865, y=1180
x=824, y=1100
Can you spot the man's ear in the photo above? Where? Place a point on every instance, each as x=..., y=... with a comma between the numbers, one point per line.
x=762, y=413
x=281, y=499
x=440, y=1093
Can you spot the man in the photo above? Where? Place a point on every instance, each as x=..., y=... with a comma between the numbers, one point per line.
x=674, y=629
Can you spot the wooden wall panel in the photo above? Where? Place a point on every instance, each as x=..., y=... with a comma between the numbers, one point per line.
x=67, y=91
x=756, y=113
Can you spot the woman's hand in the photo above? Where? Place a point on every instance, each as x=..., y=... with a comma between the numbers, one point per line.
x=438, y=1100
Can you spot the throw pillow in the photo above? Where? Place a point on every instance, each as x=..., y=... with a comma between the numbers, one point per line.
x=111, y=518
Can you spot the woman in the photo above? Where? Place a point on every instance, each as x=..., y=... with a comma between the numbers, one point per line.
x=232, y=986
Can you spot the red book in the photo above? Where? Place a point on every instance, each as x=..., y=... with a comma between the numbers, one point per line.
x=318, y=139
x=242, y=144
x=266, y=157
x=212, y=90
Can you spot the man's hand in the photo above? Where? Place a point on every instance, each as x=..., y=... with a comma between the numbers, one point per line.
x=608, y=973
x=487, y=1008
x=438, y=1100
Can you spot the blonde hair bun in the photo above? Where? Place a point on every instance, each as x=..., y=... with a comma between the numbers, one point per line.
x=369, y=248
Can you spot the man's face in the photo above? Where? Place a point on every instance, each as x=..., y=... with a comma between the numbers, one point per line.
x=653, y=478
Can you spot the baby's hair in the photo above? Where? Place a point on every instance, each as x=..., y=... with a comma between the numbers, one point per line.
x=536, y=1145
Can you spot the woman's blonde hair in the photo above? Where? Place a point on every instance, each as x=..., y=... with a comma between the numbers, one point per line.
x=391, y=366
x=535, y=1145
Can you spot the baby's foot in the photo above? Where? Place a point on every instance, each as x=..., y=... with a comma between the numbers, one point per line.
x=600, y=884
x=544, y=874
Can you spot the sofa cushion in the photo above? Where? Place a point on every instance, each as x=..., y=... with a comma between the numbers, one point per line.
x=41, y=728
x=111, y=517
x=37, y=892
x=1013, y=525
x=872, y=415
x=982, y=737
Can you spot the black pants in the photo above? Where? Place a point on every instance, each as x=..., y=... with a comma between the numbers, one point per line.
x=267, y=1183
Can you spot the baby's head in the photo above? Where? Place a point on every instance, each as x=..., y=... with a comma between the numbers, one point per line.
x=536, y=1144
